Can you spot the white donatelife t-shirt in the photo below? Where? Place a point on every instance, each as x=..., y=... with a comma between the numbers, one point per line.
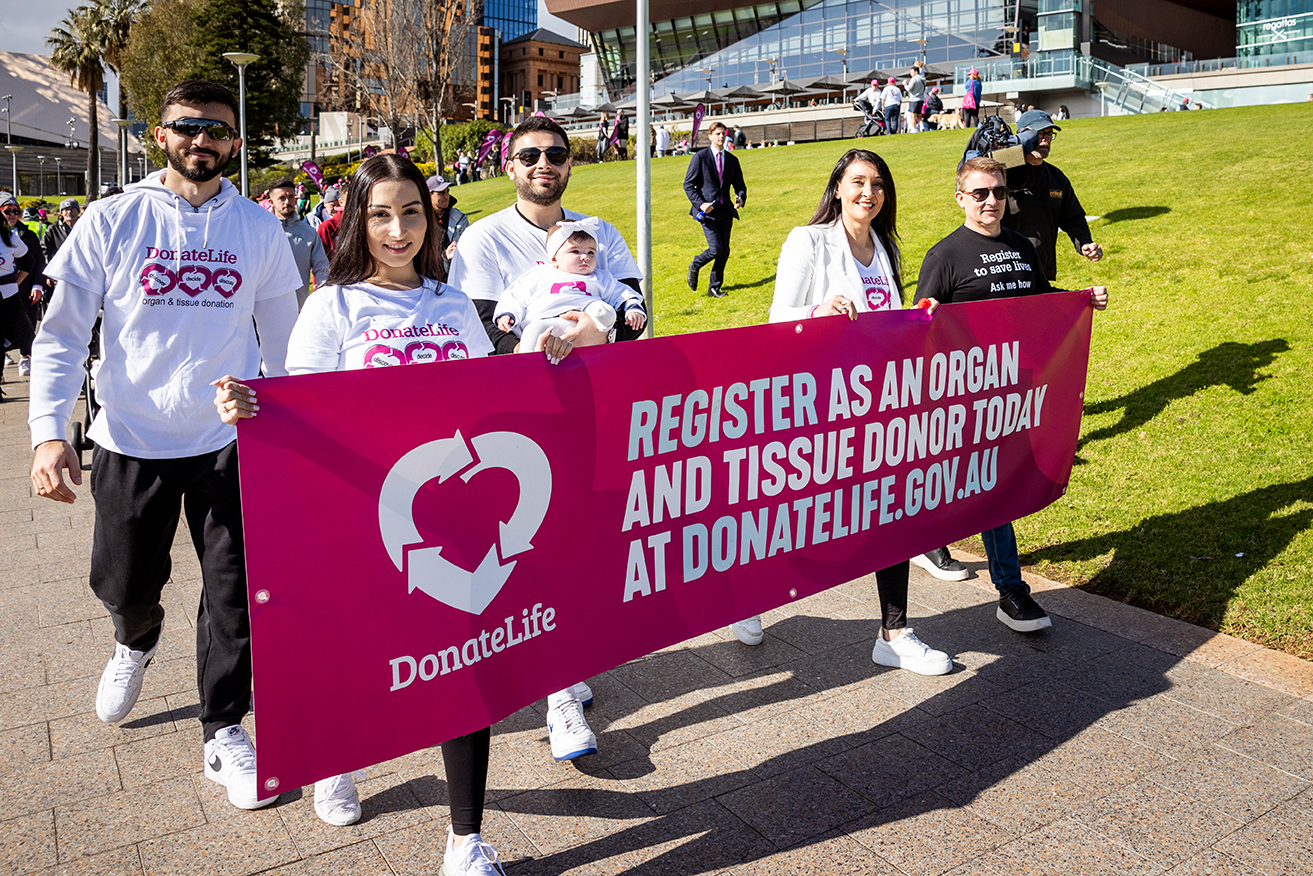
x=878, y=290
x=178, y=285
x=496, y=251
x=345, y=328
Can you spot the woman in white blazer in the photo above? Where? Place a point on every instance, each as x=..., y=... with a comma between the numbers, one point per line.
x=845, y=261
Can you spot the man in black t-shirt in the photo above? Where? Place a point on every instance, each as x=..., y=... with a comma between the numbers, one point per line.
x=981, y=261
x=1041, y=200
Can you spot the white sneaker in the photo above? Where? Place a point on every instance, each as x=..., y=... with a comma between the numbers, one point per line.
x=120, y=683
x=25, y=366
x=909, y=652
x=473, y=857
x=230, y=761
x=748, y=631
x=567, y=728
x=337, y=801
x=582, y=692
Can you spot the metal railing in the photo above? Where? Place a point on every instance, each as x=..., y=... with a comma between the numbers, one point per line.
x=1124, y=89
x=1216, y=65
x=1133, y=92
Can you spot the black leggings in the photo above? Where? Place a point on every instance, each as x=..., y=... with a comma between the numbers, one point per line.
x=466, y=762
x=15, y=326
x=892, y=586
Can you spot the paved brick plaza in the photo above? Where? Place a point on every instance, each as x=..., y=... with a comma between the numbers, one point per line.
x=1117, y=742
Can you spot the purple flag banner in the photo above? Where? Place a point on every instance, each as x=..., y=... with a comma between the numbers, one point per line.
x=370, y=151
x=698, y=112
x=313, y=171
x=488, y=140
x=505, y=145
x=401, y=150
x=482, y=549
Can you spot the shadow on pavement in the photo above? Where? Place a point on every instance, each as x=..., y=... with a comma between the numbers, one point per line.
x=908, y=745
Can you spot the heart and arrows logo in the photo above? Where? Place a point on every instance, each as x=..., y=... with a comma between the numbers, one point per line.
x=426, y=569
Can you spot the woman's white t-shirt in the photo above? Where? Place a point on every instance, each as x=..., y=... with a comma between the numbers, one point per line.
x=9, y=255
x=877, y=287
x=344, y=328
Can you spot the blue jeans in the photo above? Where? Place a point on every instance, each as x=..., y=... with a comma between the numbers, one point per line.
x=891, y=118
x=1004, y=565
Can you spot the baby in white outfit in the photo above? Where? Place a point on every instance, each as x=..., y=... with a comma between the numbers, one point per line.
x=533, y=304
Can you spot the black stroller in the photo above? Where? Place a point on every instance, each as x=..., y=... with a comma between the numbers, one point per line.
x=873, y=125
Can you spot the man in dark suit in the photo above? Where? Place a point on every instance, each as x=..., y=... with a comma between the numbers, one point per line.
x=711, y=174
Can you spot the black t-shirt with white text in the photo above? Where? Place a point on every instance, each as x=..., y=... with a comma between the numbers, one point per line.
x=970, y=266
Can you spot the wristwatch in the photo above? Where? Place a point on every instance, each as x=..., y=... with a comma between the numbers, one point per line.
x=610, y=336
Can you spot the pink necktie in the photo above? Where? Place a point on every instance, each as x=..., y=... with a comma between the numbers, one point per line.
x=720, y=167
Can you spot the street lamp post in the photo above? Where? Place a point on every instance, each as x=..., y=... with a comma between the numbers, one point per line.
x=240, y=60
x=9, y=138
x=123, y=150
x=59, y=181
x=14, y=150
x=141, y=159
x=42, y=175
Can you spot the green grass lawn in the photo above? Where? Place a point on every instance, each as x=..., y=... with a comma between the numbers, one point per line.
x=1193, y=492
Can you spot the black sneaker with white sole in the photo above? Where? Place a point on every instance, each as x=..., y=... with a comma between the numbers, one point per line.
x=940, y=563
x=1017, y=610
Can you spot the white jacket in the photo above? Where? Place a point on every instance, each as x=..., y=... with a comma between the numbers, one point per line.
x=816, y=263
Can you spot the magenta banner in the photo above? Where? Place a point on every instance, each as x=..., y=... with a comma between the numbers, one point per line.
x=698, y=112
x=475, y=534
x=488, y=140
x=312, y=170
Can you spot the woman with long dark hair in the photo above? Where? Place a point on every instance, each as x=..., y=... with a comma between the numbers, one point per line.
x=845, y=261
x=386, y=275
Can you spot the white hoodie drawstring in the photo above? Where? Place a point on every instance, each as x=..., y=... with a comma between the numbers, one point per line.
x=182, y=229
x=182, y=233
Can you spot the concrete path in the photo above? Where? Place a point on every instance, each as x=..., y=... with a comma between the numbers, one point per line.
x=1117, y=742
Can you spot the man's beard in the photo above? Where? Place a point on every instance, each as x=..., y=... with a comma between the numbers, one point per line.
x=178, y=161
x=526, y=189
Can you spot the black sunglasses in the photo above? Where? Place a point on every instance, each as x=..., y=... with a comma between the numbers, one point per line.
x=193, y=127
x=1000, y=193
x=557, y=155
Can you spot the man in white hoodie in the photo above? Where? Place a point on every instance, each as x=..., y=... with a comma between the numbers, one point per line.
x=185, y=270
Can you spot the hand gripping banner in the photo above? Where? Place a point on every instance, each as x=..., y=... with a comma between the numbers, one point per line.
x=473, y=535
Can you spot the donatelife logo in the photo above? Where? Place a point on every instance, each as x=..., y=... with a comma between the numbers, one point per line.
x=426, y=569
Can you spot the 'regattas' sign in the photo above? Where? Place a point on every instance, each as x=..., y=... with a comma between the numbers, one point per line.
x=432, y=548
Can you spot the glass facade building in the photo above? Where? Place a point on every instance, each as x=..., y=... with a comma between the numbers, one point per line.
x=514, y=18
x=797, y=39
x=1273, y=27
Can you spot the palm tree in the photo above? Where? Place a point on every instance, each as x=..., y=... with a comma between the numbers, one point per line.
x=76, y=51
x=112, y=31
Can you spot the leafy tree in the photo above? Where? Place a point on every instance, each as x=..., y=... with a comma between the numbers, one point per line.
x=273, y=83
x=76, y=50
x=158, y=56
